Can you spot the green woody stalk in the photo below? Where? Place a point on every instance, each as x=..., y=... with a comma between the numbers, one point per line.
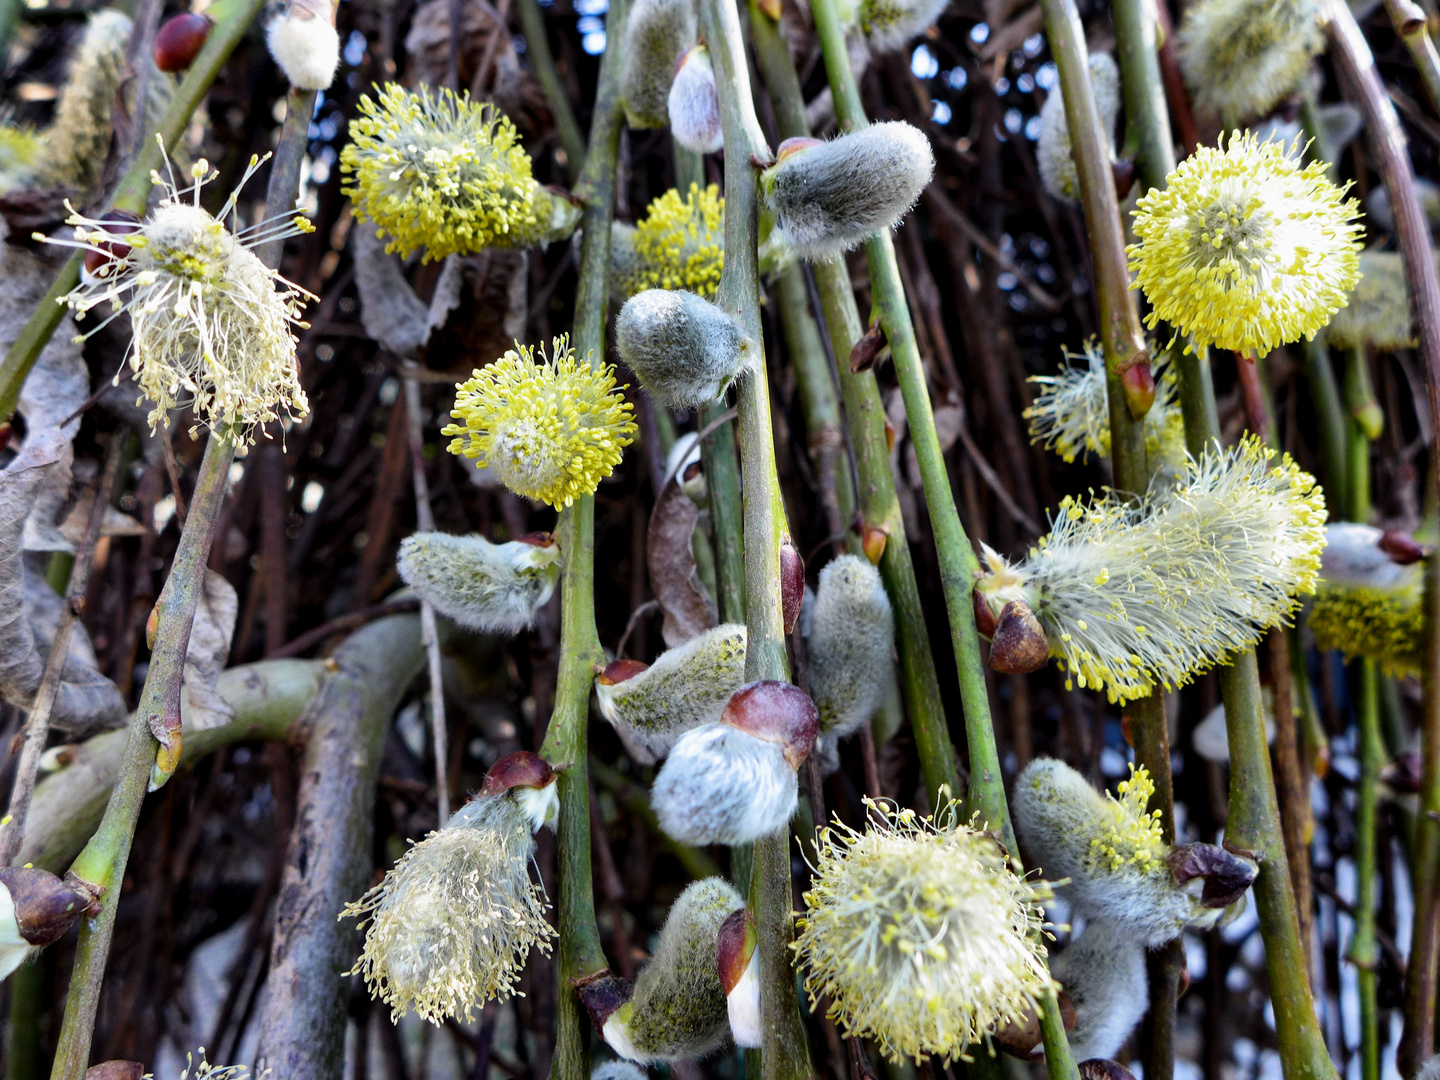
x=579, y=955
x=784, y=1048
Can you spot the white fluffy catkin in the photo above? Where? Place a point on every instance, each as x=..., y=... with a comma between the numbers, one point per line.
x=830, y=197
x=694, y=104
x=1103, y=972
x=1052, y=153
x=656, y=33
x=1110, y=849
x=852, y=645
x=493, y=588
x=686, y=686
x=304, y=44
x=890, y=25
x=721, y=785
x=684, y=349
x=678, y=1010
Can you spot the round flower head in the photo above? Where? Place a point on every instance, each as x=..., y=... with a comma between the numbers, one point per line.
x=680, y=243
x=551, y=430
x=211, y=329
x=890, y=25
x=1366, y=604
x=438, y=172
x=920, y=933
x=829, y=197
x=1052, y=151
x=1071, y=414
x=1118, y=866
x=694, y=103
x=452, y=923
x=1135, y=595
x=1377, y=312
x=656, y=33
x=493, y=588
x=1244, y=249
x=1240, y=57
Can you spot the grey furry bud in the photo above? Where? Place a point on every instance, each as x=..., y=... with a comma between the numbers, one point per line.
x=1103, y=972
x=686, y=686
x=734, y=781
x=828, y=197
x=685, y=350
x=656, y=33
x=494, y=588
x=890, y=25
x=852, y=645
x=1052, y=153
x=678, y=1009
x=694, y=104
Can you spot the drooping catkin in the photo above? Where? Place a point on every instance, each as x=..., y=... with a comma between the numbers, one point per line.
x=493, y=588
x=1104, y=974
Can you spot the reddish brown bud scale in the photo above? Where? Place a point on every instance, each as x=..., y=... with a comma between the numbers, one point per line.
x=1103, y=1069
x=1402, y=548
x=1226, y=874
x=522, y=769
x=45, y=906
x=890, y=434
x=984, y=617
x=1139, y=383
x=618, y=671
x=734, y=946
x=777, y=712
x=115, y=1070
x=794, y=146
x=872, y=541
x=867, y=349
x=1018, y=645
x=180, y=39
x=538, y=539
x=792, y=584
x=601, y=995
x=1123, y=172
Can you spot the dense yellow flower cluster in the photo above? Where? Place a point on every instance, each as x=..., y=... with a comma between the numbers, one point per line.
x=681, y=242
x=551, y=430
x=1134, y=835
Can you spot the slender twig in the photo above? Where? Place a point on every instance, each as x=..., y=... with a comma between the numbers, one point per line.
x=1412, y=27
x=1356, y=65
x=579, y=954
x=542, y=63
x=37, y=724
x=232, y=22
x=1329, y=422
x=722, y=485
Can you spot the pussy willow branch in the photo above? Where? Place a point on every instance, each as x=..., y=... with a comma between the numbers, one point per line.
x=722, y=485
x=865, y=416
x=37, y=724
x=784, y=1049
x=579, y=953
x=542, y=63
x=1356, y=66
x=232, y=21
x=1329, y=422
x=1412, y=27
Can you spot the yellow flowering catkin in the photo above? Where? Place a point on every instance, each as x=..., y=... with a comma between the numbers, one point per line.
x=210, y=328
x=1367, y=605
x=438, y=171
x=681, y=242
x=1244, y=248
x=551, y=430
x=920, y=933
x=1240, y=57
x=1134, y=595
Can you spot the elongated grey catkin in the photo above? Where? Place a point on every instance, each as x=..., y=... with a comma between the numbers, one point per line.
x=852, y=645
x=694, y=104
x=656, y=33
x=493, y=588
x=1052, y=151
x=684, y=349
x=1103, y=972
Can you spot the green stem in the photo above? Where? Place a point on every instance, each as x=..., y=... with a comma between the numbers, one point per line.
x=1146, y=114
x=1420, y=976
x=542, y=63
x=1357, y=446
x=579, y=953
x=784, y=1050
x=1412, y=27
x=875, y=481
x=1363, y=952
x=102, y=864
x=232, y=22
x=722, y=485
x=1330, y=422
x=958, y=564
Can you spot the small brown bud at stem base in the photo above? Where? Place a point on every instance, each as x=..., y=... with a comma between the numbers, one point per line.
x=867, y=349
x=180, y=40
x=872, y=541
x=1227, y=875
x=1104, y=1069
x=734, y=945
x=984, y=616
x=1018, y=645
x=618, y=671
x=1402, y=548
x=1139, y=383
x=115, y=1070
x=45, y=906
x=1021, y=1038
x=538, y=539
x=792, y=584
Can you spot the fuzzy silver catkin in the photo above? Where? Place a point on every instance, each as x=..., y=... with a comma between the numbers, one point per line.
x=684, y=349
x=678, y=1009
x=721, y=785
x=618, y=1069
x=852, y=645
x=686, y=686
x=694, y=104
x=1103, y=972
x=1052, y=152
x=656, y=33
x=304, y=44
x=493, y=588
x=831, y=197
x=1109, y=849
x=889, y=25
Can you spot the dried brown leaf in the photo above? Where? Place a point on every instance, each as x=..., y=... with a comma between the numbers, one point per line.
x=201, y=706
x=689, y=611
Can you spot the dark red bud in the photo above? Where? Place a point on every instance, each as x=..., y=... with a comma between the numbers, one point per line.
x=601, y=995
x=867, y=349
x=45, y=906
x=1018, y=645
x=777, y=712
x=691, y=471
x=1402, y=547
x=522, y=769
x=537, y=539
x=1139, y=383
x=115, y=1070
x=1103, y=1069
x=792, y=584
x=119, y=223
x=618, y=671
x=6, y=430
x=1227, y=875
x=984, y=616
x=1123, y=172
x=180, y=39
x=771, y=8
x=734, y=946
